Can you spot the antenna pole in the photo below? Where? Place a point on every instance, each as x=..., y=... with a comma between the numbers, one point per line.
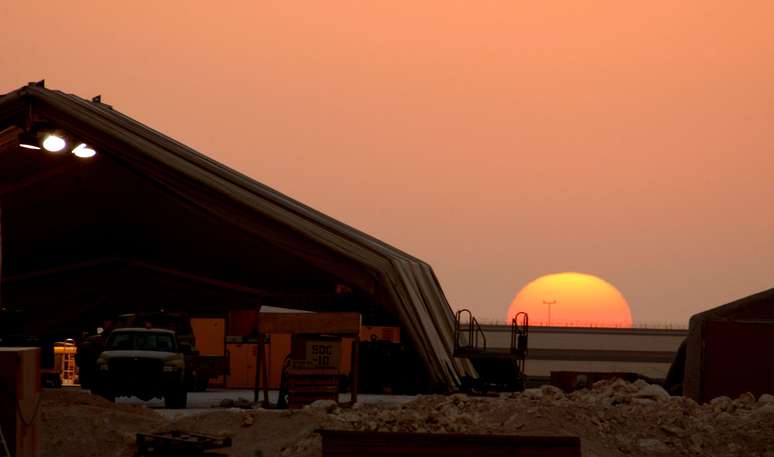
x=549, y=303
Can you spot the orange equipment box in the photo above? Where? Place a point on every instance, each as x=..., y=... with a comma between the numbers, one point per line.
x=210, y=334
x=242, y=362
x=20, y=400
x=372, y=333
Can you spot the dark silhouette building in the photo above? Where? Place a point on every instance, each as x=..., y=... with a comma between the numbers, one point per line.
x=148, y=223
x=728, y=349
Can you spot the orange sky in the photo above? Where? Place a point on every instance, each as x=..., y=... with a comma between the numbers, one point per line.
x=498, y=140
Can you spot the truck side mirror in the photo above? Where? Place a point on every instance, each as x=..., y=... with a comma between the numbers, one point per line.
x=185, y=347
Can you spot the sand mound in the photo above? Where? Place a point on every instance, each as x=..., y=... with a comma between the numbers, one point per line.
x=76, y=424
x=614, y=418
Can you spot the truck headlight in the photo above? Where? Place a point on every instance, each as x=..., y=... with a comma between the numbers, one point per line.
x=102, y=367
x=170, y=368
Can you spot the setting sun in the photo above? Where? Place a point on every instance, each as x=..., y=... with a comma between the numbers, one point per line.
x=572, y=299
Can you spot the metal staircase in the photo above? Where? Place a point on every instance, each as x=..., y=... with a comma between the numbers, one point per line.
x=499, y=369
x=468, y=336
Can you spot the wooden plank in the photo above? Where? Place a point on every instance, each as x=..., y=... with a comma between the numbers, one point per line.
x=339, y=443
x=311, y=323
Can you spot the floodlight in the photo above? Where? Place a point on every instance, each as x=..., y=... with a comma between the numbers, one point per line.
x=84, y=151
x=28, y=140
x=53, y=143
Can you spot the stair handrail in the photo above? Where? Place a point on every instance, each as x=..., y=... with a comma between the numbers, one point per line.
x=473, y=329
x=519, y=330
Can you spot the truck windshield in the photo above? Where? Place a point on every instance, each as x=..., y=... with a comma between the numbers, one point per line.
x=141, y=341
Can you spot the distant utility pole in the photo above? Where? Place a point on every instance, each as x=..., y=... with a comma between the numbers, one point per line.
x=549, y=303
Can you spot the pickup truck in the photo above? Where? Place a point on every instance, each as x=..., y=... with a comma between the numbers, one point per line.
x=198, y=369
x=146, y=363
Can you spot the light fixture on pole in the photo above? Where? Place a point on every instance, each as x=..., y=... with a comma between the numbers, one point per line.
x=83, y=151
x=52, y=140
x=54, y=143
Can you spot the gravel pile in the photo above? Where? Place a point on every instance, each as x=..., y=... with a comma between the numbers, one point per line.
x=613, y=418
x=75, y=424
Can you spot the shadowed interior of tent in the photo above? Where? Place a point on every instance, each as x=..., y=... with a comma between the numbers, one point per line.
x=148, y=223
x=96, y=235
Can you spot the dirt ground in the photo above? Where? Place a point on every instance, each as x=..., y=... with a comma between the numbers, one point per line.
x=614, y=418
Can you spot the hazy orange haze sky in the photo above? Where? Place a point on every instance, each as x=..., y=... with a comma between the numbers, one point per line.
x=497, y=140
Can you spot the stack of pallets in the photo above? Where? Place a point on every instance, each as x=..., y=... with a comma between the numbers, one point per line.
x=307, y=385
x=179, y=444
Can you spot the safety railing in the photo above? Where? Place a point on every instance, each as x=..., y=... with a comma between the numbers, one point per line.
x=519, y=332
x=475, y=338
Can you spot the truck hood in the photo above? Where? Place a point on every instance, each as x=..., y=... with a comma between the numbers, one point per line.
x=157, y=355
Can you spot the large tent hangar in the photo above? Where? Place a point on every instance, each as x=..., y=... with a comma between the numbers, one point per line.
x=149, y=223
x=728, y=349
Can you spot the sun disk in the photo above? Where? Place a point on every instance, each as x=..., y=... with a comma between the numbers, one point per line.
x=572, y=299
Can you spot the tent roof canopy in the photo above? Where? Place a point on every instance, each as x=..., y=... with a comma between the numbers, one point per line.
x=753, y=307
x=148, y=214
